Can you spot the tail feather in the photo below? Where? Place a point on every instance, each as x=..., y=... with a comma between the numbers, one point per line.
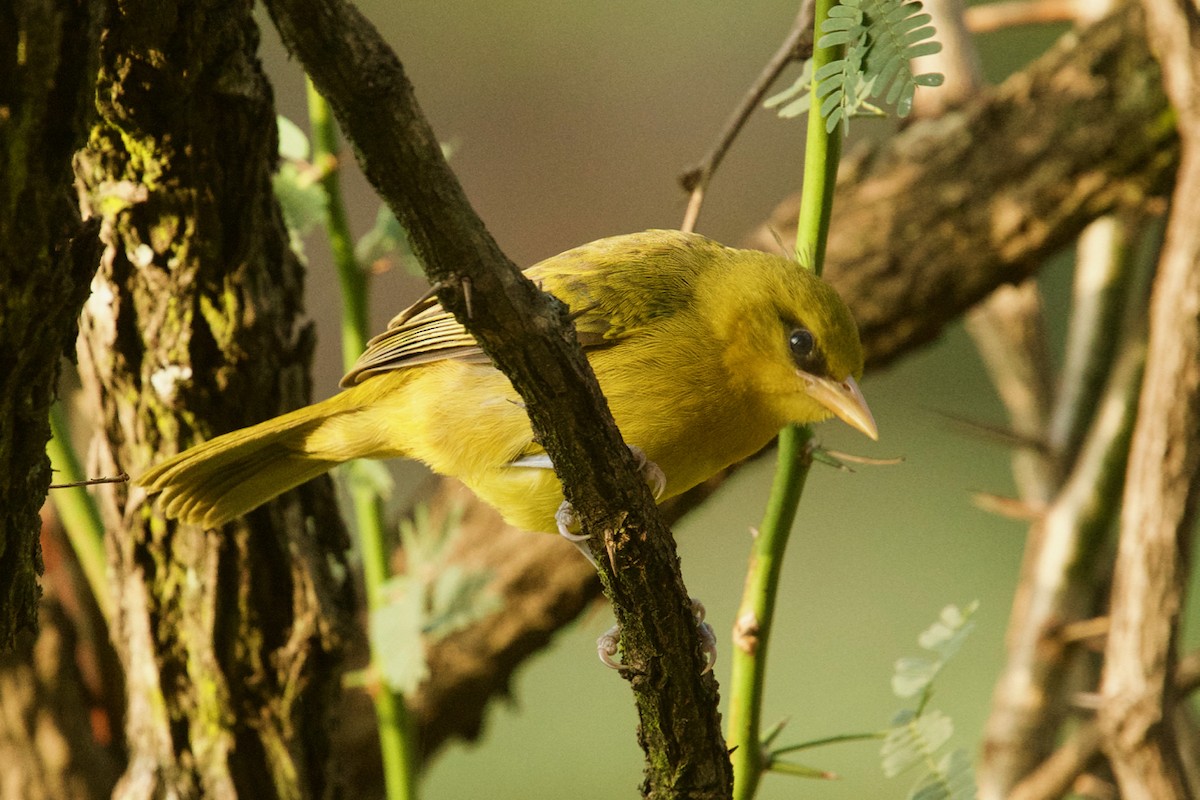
x=232, y=474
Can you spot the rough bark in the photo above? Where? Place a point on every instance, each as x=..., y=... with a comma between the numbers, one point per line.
x=1157, y=520
x=47, y=55
x=228, y=638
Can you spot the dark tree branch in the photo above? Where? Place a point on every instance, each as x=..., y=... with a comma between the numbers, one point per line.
x=524, y=332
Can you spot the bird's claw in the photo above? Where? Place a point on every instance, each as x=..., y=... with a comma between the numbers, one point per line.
x=708, y=637
x=565, y=518
x=607, y=646
x=651, y=472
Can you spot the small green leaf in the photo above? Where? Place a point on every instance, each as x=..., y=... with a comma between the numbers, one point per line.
x=303, y=202
x=796, y=108
x=395, y=631
x=387, y=238
x=912, y=739
x=924, y=49
x=799, y=87
x=946, y=635
x=368, y=472
x=912, y=674
x=293, y=143
x=834, y=69
x=929, y=79
x=834, y=38
x=840, y=24
x=846, y=11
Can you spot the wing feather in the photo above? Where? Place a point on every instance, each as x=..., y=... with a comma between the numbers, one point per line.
x=615, y=288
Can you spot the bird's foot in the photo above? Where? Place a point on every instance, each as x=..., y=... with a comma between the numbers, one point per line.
x=566, y=519
x=608, y=643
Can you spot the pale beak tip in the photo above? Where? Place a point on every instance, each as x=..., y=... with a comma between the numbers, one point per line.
x=845, y=400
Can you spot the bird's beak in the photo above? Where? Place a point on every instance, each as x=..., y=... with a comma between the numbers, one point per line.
x=843, y=399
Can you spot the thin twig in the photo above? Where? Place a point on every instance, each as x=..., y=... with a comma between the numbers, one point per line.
x=122, y=478
x=796, y=47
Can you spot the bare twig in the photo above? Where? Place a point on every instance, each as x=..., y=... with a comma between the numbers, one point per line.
x=1103, y=272
x=122, y=478
x=796, y=47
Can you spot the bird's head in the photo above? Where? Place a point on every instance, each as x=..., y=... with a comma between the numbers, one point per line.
x=792, y=339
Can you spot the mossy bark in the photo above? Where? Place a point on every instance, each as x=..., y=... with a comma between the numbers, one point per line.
x=229, y=638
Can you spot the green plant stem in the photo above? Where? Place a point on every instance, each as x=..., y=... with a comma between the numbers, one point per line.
x=396, y=735
x=757, y=609
x=78, y=512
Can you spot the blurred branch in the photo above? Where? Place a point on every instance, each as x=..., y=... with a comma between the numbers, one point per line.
x=1053, y=778
x=1059, y=575
x=1103, y=276
x=1157, y=522
x=796, y=47
x=1009, y=331
x=990, y=17
x=526, y=333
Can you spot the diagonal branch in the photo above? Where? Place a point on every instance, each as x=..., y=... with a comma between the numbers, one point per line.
x=526, y=334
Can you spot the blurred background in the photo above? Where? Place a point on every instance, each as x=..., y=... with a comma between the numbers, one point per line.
x=571, y=121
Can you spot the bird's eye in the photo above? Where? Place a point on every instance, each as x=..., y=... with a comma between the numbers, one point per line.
x=802, y=344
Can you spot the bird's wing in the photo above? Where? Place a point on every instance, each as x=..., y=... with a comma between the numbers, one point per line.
x=614, y=288
x=422, y=333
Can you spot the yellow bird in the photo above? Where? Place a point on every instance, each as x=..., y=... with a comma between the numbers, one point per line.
x=703, y=351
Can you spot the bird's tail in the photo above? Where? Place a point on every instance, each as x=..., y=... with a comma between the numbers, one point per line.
x=232, y=474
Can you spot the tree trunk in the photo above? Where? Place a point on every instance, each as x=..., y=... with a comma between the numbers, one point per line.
x=229, y=638
x=47, y=58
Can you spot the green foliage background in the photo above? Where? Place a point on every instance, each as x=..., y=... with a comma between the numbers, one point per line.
x=571, y=121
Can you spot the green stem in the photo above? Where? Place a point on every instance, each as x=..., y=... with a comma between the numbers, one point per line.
x=822, y=150
x=757, y=610
x=78, y=512
x=351, y=276
x=396, y=735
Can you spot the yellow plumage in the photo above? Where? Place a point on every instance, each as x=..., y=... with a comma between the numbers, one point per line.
x=704, y=352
